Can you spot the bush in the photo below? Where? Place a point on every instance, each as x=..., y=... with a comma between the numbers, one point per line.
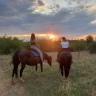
x=78, y=45
x=92, y=47
x=9, y=44
x=89, y=38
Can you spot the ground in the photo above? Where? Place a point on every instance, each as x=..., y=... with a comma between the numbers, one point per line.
x=81, y=82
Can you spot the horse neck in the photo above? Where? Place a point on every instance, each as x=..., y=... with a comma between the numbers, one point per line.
x=45, y=56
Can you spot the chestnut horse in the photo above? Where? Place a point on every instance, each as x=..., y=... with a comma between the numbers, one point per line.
x=65, y=60
x=25, y=57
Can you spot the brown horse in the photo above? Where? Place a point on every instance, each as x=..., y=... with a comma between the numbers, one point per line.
x=65, y=60
x=25, y=57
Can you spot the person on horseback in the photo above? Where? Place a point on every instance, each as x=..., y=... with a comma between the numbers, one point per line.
x=65, y=46
x=35, y=47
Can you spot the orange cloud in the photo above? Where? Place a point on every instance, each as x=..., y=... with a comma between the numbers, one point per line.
x=90, y=8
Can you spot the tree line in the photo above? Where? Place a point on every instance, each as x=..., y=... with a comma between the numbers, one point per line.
x=8, y=44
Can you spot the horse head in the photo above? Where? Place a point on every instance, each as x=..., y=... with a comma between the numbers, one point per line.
x=49, y=60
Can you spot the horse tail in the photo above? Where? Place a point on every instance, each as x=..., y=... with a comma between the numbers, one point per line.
x=63, y=63
x=15, y=63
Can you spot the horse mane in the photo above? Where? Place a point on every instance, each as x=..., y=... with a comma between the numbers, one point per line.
x=45, y=55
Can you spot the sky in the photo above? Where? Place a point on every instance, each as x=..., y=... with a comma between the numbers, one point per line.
x=69, y=18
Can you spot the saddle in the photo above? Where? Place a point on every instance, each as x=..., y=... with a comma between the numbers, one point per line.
x=67, y=49
x=35, y=53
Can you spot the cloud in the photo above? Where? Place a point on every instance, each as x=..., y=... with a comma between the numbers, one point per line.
x=91, y=8
x=78, y=24
x=15, y=7
x=40, y=3
x=18, y=17
x=93, y=22
x=31, y=22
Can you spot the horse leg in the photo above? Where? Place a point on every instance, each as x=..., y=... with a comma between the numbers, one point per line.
x=21, y=71
x=15, y=71
x=41, y=65
x=61, y=67
x=36, y=67
x=67, y=68
x=66, y=71
x=12, y=82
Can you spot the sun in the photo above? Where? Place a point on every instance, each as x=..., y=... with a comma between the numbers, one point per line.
x=52, y=36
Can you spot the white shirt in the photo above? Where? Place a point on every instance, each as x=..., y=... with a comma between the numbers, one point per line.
x=65, y=44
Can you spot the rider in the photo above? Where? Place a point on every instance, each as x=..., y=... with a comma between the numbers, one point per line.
x=65, y=46
x=35, y=47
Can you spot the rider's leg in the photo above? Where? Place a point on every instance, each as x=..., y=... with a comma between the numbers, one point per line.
x=58, y=55
x=40, y=53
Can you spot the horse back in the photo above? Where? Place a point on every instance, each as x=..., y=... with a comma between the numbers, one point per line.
x=26, y=56
x=65, y=54
x=65, y=57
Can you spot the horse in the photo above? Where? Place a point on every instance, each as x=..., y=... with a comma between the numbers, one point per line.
x=25, y=57
x=65, y=61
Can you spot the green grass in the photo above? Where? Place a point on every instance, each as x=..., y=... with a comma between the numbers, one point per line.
x=82, y=78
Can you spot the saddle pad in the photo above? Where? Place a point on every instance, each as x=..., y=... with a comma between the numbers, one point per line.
x=35, y=53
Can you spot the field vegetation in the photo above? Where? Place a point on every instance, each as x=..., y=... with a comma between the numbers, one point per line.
x=82, y=78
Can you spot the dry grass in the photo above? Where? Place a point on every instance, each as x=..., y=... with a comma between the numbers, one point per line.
x=82, y=78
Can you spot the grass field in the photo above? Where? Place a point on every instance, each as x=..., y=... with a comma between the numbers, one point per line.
x=82, y=78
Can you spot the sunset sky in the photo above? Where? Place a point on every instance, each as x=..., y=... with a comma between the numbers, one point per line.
x=69, y=18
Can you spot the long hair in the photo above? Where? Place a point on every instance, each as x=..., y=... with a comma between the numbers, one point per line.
x=32, y=36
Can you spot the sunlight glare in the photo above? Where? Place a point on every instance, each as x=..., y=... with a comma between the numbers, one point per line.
x=51, y=36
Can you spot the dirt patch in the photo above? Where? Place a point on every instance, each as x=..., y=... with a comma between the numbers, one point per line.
x=6, y=89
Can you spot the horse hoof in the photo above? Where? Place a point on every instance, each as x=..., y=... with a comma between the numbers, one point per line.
x=12, y=83
x=22, y=81
x=66, y=80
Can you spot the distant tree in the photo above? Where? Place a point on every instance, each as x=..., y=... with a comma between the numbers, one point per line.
x=89, y=39
x=15, y=39
x=9, y=44
x=92, y=47
x=77, y=45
